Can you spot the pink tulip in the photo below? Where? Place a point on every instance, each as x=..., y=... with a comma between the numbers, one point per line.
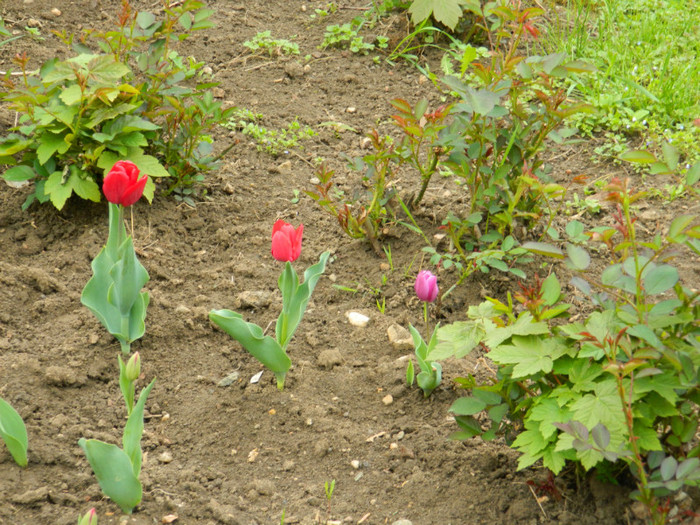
x=426, y=286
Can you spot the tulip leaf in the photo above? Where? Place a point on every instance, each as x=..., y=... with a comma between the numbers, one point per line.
x=131, y=441
x=263, y=347
x=114, y=472
x=295, y=297
x=13, y=433
x=113, y=293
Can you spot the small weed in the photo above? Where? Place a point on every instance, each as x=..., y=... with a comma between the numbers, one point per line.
x=272, y=141
x=264, y=43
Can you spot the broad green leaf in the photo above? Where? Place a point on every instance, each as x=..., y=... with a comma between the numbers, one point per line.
x=56, y=190
x=263, y=347
x=458, y=339
x=49, y=144
x=108, y=69
x=660, y=279
x=530, y=355
x=85, y=188
x=19, y=173
x=638, y=156
x=647, y=438
x=668, y=468
x=665, y=385
x=447, y=12
x=645, y=333
x=10, y=146
x=578, y=257
x=678, y=227
x=602, y=406
x=114, y=473
x=546, y=412
x=671, y=155
x=147, y=164
x=467, y=406
x=692, y=176
x=531, y=440
x=542, y=248
x=524, y=325
x=689, y=469
x=71, y=95
x=551, y=290
x=14, y=433
x=553, y=460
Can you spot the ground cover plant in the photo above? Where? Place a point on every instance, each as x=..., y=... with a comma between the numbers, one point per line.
x=576, y=342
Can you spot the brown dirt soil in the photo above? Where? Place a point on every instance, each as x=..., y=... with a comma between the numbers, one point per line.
x=246, y=453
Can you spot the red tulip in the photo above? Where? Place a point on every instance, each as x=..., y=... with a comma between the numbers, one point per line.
x=122, y=184
x=286, y=241
x=426, y=286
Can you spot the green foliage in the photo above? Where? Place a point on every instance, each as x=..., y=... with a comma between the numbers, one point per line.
x=430, y=376
x=363, y=214
x=272, y=352
x=272, y=141
x=124, y=101
x=447, y=12
x=118, y=469
x=346, y=36
x=646, y=82
x=623, y=384
x=686, y=177
x=263, y=42
x=13, y=433
x=113, y=294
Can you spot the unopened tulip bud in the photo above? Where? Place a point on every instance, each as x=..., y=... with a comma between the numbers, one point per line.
x=133, y=367
x=89, y=519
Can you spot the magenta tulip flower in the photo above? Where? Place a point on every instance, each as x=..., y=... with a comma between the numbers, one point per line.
x=426, y=286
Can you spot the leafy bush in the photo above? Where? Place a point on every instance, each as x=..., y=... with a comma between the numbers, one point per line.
x=126, y=101
x=623, y=384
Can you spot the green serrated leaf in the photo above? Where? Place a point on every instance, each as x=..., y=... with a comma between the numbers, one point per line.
x=85, y=188
x=447, y=12
x=56, y=190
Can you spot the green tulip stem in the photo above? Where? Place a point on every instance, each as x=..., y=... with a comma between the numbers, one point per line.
x=425, y=318
x=117, y=232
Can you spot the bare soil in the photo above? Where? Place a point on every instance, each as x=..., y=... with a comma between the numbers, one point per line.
x=247, y=453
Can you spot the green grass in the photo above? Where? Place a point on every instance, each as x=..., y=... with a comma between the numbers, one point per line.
x=647, y=54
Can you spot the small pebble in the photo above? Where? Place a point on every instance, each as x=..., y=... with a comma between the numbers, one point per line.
x=56, y=12
x=355, y=464
x=351, y=109
x=388, y=399
x=357, y=319
x=165, y=457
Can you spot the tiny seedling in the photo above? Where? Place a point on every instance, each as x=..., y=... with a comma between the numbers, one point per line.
x=264, y=43
x=329, y=488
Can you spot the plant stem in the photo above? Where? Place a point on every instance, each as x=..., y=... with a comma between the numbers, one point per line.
x=425, y=318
